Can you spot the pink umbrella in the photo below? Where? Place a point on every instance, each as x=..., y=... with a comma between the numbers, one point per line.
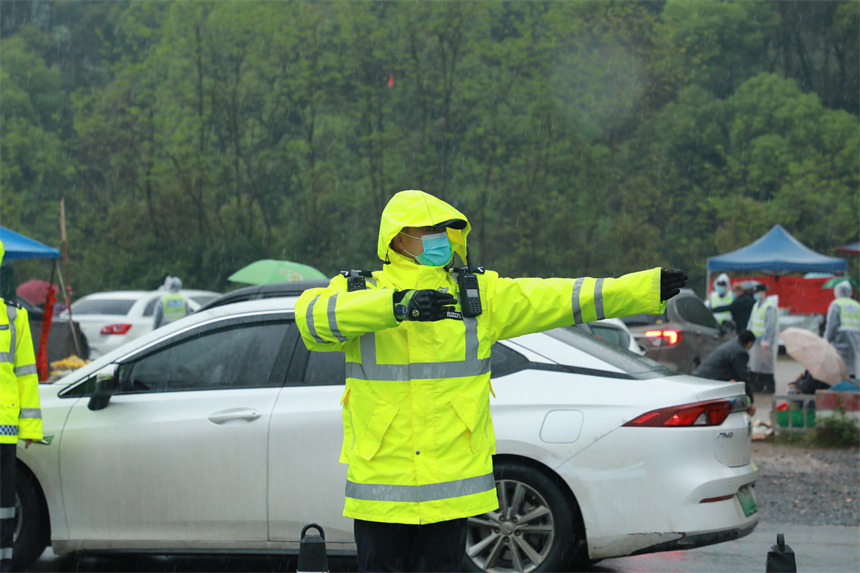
x=815, y=354
x=36, y=291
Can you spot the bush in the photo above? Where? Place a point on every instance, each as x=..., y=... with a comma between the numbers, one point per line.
x=838, y=431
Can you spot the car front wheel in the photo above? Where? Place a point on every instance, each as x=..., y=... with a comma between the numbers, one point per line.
x=31, y=524
x=535, y=528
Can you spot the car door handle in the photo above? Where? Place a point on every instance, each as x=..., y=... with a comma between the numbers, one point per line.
x=223, y=416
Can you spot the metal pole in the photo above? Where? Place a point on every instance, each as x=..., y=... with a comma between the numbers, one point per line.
x=67, y=288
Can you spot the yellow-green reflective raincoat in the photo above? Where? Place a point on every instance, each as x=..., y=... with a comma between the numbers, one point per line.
x=20, y=412
x=418, y=436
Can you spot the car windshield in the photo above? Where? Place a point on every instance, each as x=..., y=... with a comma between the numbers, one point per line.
x=635, y=366
x=103, y=306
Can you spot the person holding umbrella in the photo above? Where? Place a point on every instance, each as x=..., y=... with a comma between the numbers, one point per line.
x=842, y=327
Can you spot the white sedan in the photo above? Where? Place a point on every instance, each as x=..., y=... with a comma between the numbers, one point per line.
x=221, y=433
x=110, y=319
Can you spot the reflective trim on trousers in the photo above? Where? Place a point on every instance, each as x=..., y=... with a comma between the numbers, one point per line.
x=419, y=493
x=7, y=513
x=369, y=369
x=6, y=553
x=25, y=370
x=30, y=413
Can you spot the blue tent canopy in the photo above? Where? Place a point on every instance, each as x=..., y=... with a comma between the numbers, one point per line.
x=21, y=247
x=776, y=252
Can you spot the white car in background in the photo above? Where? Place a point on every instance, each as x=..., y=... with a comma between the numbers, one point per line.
x=110, y=319
x=221, y=432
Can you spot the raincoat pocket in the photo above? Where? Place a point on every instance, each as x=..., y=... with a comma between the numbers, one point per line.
x=469, y=413
x=380, y=419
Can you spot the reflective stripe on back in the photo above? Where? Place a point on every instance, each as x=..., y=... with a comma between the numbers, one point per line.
x=419, y=493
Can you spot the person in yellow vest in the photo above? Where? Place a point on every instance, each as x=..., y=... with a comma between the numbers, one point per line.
x=764, y=323
x=20, y=411
x=721, y=296
x=842, y=327
x=418, y=435
x=173, y=305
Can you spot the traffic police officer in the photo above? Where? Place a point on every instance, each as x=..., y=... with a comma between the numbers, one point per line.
x=20, y=413
x=842, y=328
x=764, y=323
x=173, y=305
x=418, y=435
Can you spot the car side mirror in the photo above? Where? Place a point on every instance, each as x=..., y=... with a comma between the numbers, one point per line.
x=105, y=386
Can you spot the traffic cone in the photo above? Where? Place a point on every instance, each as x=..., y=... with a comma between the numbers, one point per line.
x=312, y=555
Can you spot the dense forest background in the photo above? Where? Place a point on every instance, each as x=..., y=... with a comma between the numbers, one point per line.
x=580, y=137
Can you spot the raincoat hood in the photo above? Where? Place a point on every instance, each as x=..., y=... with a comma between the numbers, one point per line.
x=842, y=290
x=723, y=279
x=420, y=209
x=2, y=252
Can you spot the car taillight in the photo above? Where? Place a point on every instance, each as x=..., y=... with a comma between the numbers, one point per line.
x=669, y=337
x=116, y=329
x=711, y=413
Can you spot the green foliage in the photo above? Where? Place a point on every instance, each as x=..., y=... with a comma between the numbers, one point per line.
x=838, y=430
x=581, y=138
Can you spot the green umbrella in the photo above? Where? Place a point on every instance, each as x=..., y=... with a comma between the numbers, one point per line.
x=836, y=280
x=267, y=271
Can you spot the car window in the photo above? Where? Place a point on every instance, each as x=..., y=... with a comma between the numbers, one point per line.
x=238, y=356
x=118, y=307
x=632, y=365
x=693, y=310
x=202, y=299
x=610, y=334
x=149, y=310
x=505, y=360
x=325, y=369
x=645, y=319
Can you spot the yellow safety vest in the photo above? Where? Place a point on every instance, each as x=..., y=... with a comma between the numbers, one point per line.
x=20, y=412
x=759, y=314
x=418, y=434
x=849, y=313
x=173, y=307
x=716, y=300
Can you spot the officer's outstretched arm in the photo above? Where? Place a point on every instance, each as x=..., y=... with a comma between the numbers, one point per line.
x=329, y=317
x=523, y=306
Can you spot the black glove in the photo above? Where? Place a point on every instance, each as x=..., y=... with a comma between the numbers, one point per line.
x=425, y=305
x=671, y=282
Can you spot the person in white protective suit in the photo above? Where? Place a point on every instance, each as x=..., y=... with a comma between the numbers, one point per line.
x=842, y=327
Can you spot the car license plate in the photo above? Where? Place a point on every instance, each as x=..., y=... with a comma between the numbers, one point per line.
x=747, y=499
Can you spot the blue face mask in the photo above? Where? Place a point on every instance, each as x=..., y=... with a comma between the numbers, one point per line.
x=758, y=296
x=437, y=250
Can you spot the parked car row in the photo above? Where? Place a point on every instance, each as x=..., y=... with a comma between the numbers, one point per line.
x=221, y=432
x=110, y=319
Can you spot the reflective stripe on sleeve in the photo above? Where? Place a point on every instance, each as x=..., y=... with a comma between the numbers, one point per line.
x=312, y=328
x=419, y=493
x=12, y=313
x=598, y=299
x=7, y=357
x=577, y=310
x=6, y=553
x=369, y=369
x=7, y=512
x=30, y=413
x=25, y=370
x=332, y=319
